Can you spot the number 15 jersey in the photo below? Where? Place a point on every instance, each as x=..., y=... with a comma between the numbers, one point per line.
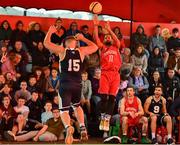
x=71, y=67
x=110, y=58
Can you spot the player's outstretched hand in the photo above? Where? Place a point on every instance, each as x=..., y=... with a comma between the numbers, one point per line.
x=52, y=29
x=79, y=36
x=95, y=19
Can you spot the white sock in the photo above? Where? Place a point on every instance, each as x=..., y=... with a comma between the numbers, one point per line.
x=81, y=124
x=153, y=135
x=169, y=136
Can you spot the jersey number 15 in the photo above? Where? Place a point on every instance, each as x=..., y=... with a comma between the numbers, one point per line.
x=74, y=65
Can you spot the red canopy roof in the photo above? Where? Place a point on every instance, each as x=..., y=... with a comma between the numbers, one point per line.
x=144, y=10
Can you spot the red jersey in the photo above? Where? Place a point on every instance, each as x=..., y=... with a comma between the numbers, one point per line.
x=110, y=58
x=131, y=107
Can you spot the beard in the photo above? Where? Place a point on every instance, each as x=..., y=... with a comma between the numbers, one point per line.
x=108, y=43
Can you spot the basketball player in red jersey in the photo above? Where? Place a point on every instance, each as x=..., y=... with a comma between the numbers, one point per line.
x=131, y=112
x=71, y=62
x=110, y=61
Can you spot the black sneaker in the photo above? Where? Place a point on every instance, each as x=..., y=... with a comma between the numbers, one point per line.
x=8, y=136
x=112, y=140
x=170, y=141
x=154, y=141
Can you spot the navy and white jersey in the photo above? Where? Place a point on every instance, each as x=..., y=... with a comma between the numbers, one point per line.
x=71, y=66
x=156, y=107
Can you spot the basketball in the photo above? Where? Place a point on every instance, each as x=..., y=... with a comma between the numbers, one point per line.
x=95, y=7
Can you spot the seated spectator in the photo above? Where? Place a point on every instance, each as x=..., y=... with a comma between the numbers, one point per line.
x=9, y=66
x=86, y=92
x=24, y=56
x=41, y=81
x=48, y=113
x=19, y=34
x=139, y=37
x=56, y=102
x=23, y=92
x=127, y=66
x=95, y=95
x=52, y=130
x=3, y=54
x=155, y=108
x=40, y=56
x=132, y=112
x=119, y=35
x=156, y=62
x=52, y=83
x=7, y=115
x=92, y=62
x=173, y=42
x=60, y=34
x=175, y=109
x=140, y=84
x=7, y=91
x=73, y=30
x=172, y=86
x=158, y=41
x=47, y=133
x=86, y=34
x=139, y=58
x=32, y=84
x=35, y=35
x=23, y=112
x=35, y=110
x=11, y=81
x=2, y=82
x=5, y=31
x=174, y=61
x=155, y=80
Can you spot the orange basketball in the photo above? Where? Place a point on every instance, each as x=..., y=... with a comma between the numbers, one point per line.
x=95, y=7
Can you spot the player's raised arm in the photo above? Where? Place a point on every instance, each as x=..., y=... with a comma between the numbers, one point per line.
x=90, y=48
x=114, y=37
x=51, y=46
x=96, y=37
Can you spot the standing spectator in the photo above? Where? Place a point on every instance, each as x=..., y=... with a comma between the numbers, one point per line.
x=139, y=37
x=158, y=41
x=174, y=41
x=156, y=62
x=36, y=35
x=119, y=35
x=86, y=92
x=40, y=56
x=19, y=34
x=139, y=58
x=5, y=31
x=174, y=61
